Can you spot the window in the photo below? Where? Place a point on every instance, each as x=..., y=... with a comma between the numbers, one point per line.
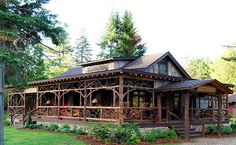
x=163, y=68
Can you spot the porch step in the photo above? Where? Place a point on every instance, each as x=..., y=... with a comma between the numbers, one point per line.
x=179, y=127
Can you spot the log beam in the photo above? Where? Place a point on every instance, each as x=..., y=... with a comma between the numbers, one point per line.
x=219, y=115
x=121, y=96
x=186, y=116
x=159, y=108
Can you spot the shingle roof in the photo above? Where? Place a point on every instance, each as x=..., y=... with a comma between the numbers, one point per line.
x=191, y=84
x=143, y=61
x=71, y=72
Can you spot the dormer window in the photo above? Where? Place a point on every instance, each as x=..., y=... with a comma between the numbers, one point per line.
x=163, y=67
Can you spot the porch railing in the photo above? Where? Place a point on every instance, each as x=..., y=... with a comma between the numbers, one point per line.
x=102, y=113
x=141, y=113
x=197, y=114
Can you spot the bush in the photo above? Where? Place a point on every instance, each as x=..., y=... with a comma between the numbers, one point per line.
x=102, y=132
x=6, y=123
x=150, y=137
x=53, y=127
x=127, y=134
x=233, y=126
x=230, y=116
x=226, y=130
x=134, y=139
x=45, y=127
x=172, y=133
x=64, y=129
x=80, y=131
x=28, y=121
x=211, y=129
x=160, y=134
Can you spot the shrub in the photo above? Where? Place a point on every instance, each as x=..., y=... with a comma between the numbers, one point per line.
x=6, y=123
x=28, y=121
x=53, y=127
x=230, y=116
x=45, y=127
x=80, y=131
x=226, y=130
x=150, y=137
x=65, y=129
x=120, y=134
x=126, y=134
x=40, y=126
x=211, y=129
x=102, y=132
x=233, y=126
x=172, y=133
x=134, y=139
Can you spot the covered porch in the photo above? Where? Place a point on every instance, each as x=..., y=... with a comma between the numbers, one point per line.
x=194, y=102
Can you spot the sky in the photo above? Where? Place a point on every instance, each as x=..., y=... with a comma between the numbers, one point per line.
x=186, y=28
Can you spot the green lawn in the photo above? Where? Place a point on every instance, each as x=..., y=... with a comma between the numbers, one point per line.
x=14, y=136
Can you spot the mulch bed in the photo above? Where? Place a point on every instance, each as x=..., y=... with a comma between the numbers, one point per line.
x=94, y=141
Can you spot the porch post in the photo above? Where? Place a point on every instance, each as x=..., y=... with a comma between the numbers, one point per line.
x=186, y=116
x=219, y=115
x=85, y=100
x=121, y=95
x=212, y=107
x=59, y=101
x=159, y=107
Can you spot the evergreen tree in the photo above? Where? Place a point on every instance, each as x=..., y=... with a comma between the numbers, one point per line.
x=23, y=25
x=121, y=38
x=82, y=51
x=199, y=68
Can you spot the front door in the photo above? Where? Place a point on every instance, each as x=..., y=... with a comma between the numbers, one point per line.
x=176, y=106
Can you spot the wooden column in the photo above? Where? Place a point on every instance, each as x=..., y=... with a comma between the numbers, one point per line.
x=213, y=106
x=159, y=108
x=121, y=104
x=186, y=116
x=59, y=100
x=219, y=115
x=85, y=100
x=114, y=98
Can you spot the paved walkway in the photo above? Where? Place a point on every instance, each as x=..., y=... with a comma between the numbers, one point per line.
x=213, y=141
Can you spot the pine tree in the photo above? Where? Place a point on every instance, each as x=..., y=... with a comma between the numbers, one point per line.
x=121, y=38
x=82, y=53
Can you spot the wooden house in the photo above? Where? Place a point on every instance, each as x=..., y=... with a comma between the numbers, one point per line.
x=151, y=89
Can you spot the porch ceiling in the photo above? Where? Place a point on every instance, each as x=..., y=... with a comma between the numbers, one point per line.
x=194, y=84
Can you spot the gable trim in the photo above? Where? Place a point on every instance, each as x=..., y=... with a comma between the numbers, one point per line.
x=175, y=62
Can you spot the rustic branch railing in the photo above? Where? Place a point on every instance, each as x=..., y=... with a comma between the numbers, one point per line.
x=100, y=113
x=141, y=113
x=207, y=114
x=47, y=111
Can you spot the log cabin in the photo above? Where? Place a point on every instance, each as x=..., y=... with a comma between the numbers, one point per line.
x=149, y=90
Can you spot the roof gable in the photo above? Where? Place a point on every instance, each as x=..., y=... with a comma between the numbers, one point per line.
x=147, y=61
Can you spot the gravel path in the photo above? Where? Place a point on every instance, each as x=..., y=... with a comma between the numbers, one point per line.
x=213, y=141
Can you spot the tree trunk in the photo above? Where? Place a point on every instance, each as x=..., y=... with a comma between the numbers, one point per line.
x=1, y=103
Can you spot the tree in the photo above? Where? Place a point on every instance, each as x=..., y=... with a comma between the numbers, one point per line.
x=82, y=51
x=121, y=38
x=199, y=68
x=59, y=59
x=224, y=70
x=23, y=25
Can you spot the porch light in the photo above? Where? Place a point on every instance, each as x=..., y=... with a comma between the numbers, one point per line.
x=48, y=102
x=95, y=100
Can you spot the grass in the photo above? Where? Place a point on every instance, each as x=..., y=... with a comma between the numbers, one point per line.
x=15, y=136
